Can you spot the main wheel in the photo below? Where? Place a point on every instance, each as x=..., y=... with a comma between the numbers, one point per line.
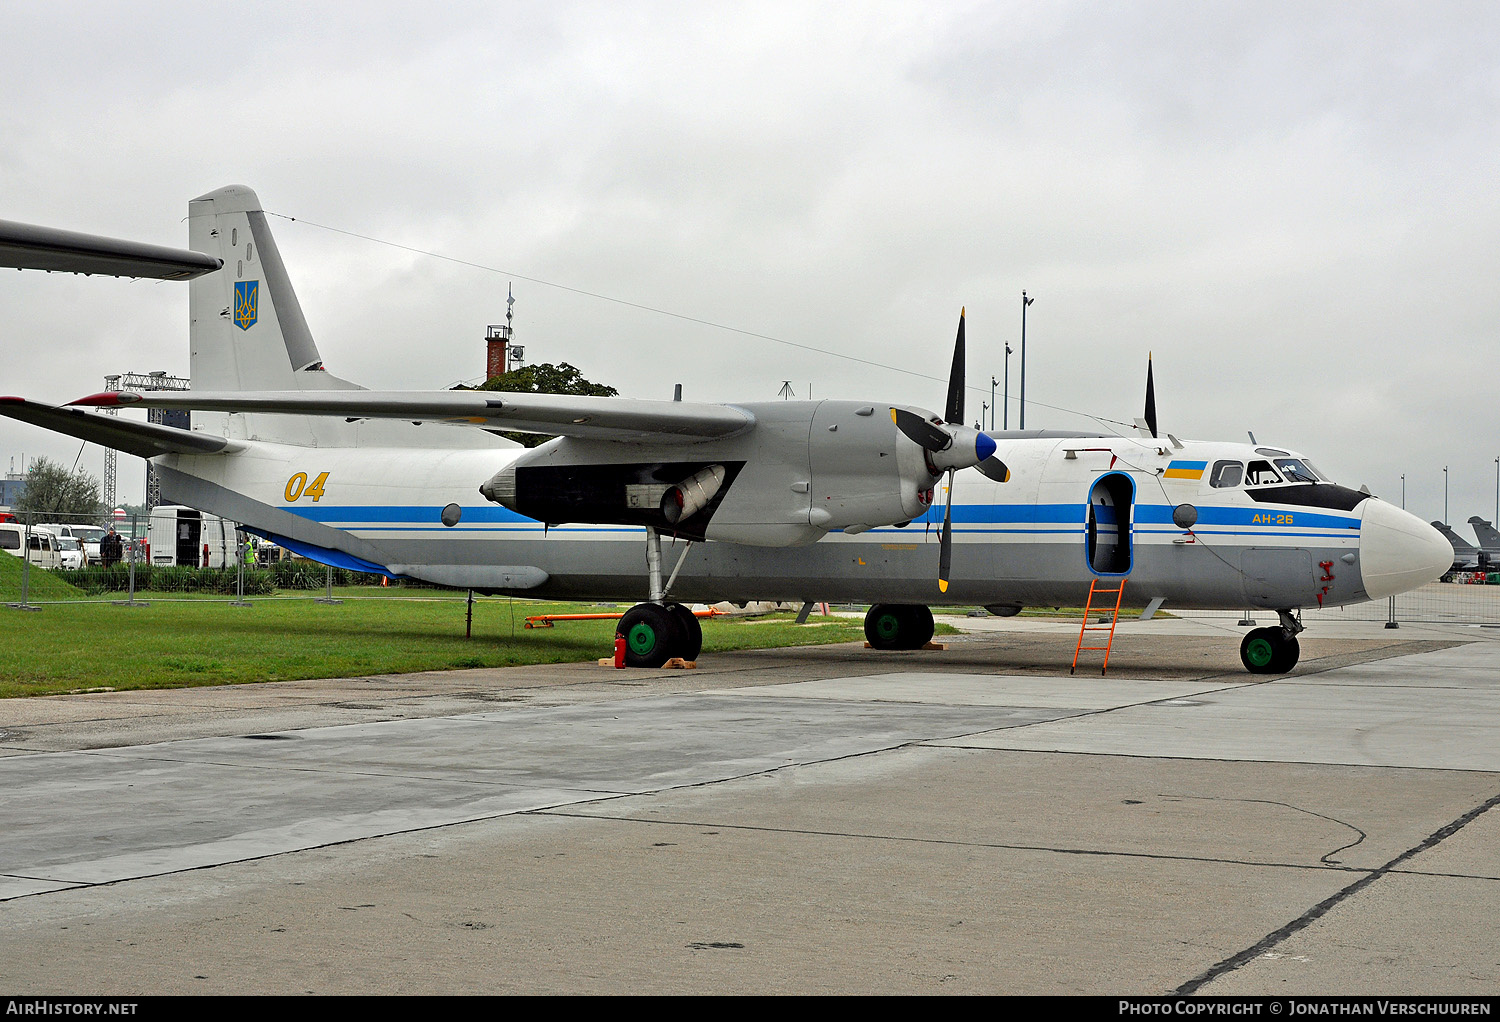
x=652, y=633
x=898, y=626
x=883, y=626
x=1287, y=658
x=692, y=631
x=1269, y=651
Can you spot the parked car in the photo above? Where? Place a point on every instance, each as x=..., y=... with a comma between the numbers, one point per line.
x=70, y=551
x=88, y=535
x=40, y=546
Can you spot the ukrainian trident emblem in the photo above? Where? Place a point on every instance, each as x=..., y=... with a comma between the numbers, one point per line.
x=245, y=294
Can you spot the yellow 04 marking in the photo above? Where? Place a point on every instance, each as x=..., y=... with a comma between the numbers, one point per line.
x=298, y=487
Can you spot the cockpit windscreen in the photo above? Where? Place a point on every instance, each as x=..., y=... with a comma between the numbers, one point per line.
x=1296, y=470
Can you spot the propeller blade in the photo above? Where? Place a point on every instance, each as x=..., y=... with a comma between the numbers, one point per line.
x=995, y=469
x=1150, y=397
x=945, y=547
x=919, y=431
x=955, y=409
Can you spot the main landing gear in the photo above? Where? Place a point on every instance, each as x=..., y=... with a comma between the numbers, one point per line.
x=657, y=631
x=1272, y=650
x=898, y=626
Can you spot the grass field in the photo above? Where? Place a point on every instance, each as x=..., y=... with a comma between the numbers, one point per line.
x=173, y=643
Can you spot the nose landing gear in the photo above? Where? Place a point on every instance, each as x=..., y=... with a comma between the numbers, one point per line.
x=1272, y=650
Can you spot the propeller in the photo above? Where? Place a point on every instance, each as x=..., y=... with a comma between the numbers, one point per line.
x=950, y=446
x=1150, y=397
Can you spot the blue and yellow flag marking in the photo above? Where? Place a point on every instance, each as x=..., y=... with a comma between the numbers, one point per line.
x=1186, y=469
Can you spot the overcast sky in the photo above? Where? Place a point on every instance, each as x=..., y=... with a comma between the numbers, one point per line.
x=1293, y=205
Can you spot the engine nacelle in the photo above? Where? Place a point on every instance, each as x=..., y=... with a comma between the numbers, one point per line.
x=803, y=470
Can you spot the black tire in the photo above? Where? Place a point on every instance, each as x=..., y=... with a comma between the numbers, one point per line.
x=922, y=626
x=1291, y=650
x=898, y=626
x=653, y=635
x=692, y=631
x=1269, y=651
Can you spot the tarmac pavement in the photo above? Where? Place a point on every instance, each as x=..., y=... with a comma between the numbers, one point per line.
x=821, y=820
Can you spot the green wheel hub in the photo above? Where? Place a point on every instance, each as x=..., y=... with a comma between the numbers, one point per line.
x=641, y=639
x=1259, y=652
x=888, y=626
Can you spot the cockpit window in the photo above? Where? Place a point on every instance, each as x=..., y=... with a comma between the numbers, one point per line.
x=1226, y=473
x=1296, y=471
x=1261, y=474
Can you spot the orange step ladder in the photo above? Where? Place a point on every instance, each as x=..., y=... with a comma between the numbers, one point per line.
x=1096, y=589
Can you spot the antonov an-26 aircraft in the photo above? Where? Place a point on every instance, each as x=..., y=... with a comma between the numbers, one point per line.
x=784, y=500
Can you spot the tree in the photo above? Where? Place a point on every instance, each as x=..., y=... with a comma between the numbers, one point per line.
x=53, y=492
x=545, y=378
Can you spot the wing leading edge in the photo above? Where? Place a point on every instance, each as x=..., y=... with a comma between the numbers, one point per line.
x=599, y=418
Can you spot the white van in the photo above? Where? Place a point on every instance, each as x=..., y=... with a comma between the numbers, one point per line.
x=42, y=545
x=186, y=537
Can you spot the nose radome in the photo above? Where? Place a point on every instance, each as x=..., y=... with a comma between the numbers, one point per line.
x=1398, y=551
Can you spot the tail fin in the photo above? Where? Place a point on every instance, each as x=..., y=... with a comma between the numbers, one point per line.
x=1489, y=539
x=248, y=332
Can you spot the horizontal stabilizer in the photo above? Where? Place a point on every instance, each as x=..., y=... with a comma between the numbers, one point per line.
x=599, y=418
x=144, y=439
x=29, y=247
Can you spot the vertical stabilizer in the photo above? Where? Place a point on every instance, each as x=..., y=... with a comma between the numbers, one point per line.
x=247, y=333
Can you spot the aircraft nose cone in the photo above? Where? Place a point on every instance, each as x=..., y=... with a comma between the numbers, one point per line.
x=1399, y=551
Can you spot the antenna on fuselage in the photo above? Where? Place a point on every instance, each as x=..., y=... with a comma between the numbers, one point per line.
x=1252, y=437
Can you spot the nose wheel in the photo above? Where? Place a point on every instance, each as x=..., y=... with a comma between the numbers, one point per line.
x=1269, y=651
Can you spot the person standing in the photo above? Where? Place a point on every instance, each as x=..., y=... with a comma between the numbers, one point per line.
x=110, y=548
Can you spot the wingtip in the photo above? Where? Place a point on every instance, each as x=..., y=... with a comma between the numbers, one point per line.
x=106, y=399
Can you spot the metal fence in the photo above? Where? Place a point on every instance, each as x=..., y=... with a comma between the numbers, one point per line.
x=1454, y=602
x=167, y=554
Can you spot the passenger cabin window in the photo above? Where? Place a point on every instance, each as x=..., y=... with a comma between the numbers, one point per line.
x=1296, y=471
x=1261, y=474
x=9, y=540
x=1226, y=473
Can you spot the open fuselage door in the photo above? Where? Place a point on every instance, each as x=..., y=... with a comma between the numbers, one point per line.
x=1108, y=541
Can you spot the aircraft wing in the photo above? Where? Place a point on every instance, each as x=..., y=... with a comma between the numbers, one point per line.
x=29, y=247
x=145, y=439
x=598, y=418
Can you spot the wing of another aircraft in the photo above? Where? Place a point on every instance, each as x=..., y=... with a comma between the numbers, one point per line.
x=29, y=247
x=144, y=439
x=599, y=418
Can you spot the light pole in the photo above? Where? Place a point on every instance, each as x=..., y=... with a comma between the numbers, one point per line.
x=982, y=409
x=1497, y=493
x=1024, y=302
x=1005, y=415
x=993, y=382
x=1445, y=494
x=1403, y=491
